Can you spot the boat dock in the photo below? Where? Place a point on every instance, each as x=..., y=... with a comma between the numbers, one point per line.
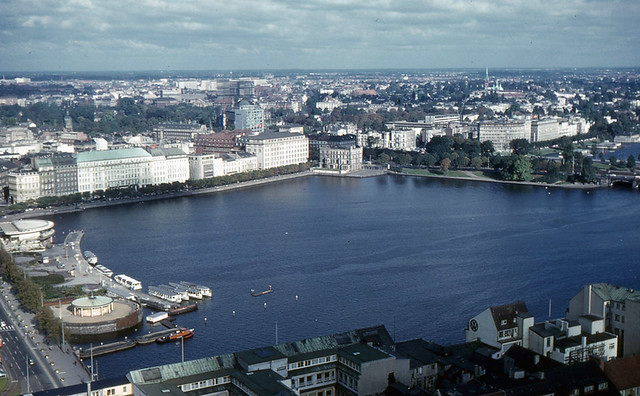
x=117, y=346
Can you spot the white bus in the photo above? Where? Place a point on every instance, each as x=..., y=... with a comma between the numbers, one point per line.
x=128, y=282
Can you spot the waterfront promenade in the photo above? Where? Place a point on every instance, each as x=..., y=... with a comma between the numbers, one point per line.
x=54, y=366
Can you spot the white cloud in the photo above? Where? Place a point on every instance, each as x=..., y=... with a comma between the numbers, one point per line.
x=320, y=33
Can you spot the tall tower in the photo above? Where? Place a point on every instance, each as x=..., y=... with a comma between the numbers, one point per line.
x=68, y=123
x=486, y=79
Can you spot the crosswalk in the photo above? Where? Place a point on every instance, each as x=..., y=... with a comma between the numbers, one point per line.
x=7, y=328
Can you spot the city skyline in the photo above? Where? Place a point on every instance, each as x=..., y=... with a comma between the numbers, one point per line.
x=84, y=35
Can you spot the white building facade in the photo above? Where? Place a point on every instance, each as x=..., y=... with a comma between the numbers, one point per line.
x=341, y=159
x=278, y=149
x=502, y=132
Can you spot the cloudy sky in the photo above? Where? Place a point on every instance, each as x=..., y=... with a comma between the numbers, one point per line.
x=86, y=35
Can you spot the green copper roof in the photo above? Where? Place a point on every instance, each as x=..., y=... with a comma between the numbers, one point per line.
x=607, y=291
x=107, y=155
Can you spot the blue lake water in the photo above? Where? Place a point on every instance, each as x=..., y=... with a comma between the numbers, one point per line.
x=420, y=256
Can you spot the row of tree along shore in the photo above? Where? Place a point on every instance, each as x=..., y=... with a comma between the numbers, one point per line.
x=165, y=190
x=560, y=163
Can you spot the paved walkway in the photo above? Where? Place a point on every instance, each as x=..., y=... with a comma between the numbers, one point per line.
x=57, y=362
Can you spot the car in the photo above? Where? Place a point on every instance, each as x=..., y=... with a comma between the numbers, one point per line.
x=31, y=363
x=3, y=373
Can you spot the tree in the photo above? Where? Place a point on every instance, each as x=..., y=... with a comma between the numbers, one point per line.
x=613, y=160
x=476, y=163
x=439, y=146
x=445, y=164
x=631, y=162
x=520, y=146
x=518, y=168
x=588, y=172
x=383, y=159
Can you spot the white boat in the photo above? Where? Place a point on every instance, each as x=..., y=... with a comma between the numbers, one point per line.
x=204, y=290
x=90, y=257
x=104, y=270
x=192, y=292
x=157, y=317
x=128, y=282
x=165, y=294
x=183, y=293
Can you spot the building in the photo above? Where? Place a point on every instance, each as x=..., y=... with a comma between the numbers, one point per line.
x=618, y=306
x=341, y=159
x=278, y=149
x=118, y=386
x=204, y=166
x=501, y=326
x=171, y=165
x=544, y=129
x=92, y=306
x=24, y=184
x=401, y=139
x=425, y=362
x=502, y=132
x=351, y=363
x=58, y=174
x=238, y=162
x=569, y=342
x=625, y=374
x=220, y=142
x=29, y=235
x=247, y=116
x=174, y=131
x=101, y=170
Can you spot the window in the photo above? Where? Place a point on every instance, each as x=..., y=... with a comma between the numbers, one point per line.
x=575, y=392
x=548, y=341
x=503, y=322
x=603, y=385
x=588, y=389
x=612, y=345
x=617, y=318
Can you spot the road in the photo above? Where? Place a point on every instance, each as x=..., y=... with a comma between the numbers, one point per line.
x=21, y=357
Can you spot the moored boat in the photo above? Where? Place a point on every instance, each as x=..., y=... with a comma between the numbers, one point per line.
x=262, y=293
x=181, y=292
x=90, y=257
x=204, y=290
x=192, y=292
x=182, y=333
x=104, y=270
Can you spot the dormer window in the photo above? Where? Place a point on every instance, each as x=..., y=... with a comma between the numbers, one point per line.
x=503, y=322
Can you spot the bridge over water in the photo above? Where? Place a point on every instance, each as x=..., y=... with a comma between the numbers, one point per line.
x=620, y=177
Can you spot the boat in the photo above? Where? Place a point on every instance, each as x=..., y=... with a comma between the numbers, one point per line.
x=165, y=294
x=180, y=334
x=104, y=270
x=180, y=309
x=91, y=257
x=128, y=282
x=192, y=292
x=262, y=293
x=182, y=293
x=204, y=290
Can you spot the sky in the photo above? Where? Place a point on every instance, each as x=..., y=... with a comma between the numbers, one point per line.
x=105, y=35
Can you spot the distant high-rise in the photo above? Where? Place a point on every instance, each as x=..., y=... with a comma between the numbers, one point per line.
x=247, y=116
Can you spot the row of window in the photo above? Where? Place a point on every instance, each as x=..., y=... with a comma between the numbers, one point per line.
x=205, y=383
x=313, y=379
x=312, y=362
x=348, y=381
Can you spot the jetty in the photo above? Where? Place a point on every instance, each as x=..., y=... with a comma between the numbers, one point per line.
x=122, y=345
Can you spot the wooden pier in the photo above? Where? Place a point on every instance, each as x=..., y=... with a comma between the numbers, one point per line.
x=116, y=346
